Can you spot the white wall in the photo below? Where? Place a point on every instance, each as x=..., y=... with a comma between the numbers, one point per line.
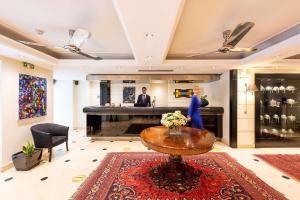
x=63, y=103
x=94, y=93
x=69, y=101
x=163, y=91
x=15, y=133
x=222, y=97
x=160, y=92
x=83, y=100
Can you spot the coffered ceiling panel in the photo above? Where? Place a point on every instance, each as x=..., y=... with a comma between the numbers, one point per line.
x=56, y=17
x=202, y=23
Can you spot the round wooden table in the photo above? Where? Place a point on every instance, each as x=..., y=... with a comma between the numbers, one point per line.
x=175, y=175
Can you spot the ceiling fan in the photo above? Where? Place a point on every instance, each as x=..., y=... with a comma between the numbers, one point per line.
x=231, y=38
x=77, y=38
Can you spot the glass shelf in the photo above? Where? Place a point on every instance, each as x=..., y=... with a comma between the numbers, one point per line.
x=270, y=103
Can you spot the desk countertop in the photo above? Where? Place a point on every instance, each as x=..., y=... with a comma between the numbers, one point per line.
x=96, y=110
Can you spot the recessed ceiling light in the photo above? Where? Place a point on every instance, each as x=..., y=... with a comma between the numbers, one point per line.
x=149, y=35
x=278, y=56
x=21, y=56
x=149, y=57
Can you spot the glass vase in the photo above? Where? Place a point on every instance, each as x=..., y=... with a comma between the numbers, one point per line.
x=175, y=131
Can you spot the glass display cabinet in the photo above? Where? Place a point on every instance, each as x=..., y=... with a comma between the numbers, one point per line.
x=277, y=110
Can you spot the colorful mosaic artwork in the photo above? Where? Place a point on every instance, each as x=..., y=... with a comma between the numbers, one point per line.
x=32, y=96
x=188, y=93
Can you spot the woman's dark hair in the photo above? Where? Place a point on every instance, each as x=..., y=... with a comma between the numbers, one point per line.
x=144, y=88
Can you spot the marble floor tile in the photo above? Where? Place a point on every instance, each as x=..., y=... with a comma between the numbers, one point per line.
x=85, y=155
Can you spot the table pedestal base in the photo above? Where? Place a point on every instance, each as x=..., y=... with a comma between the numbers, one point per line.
x=175, y=175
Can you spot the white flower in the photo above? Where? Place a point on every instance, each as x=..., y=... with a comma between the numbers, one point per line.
x=172, y=120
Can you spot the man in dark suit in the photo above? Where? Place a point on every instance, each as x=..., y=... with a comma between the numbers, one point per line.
x=144, y=99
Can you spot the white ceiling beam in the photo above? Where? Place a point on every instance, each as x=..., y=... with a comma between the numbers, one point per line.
x=97, y=63
x=139, y=17
x=286, y=63
x=132, y=63
x=12, y=49
x=284, y=49
x=204, y=63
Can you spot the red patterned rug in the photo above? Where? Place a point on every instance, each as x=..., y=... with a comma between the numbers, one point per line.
x=125, y=176
x=287, y=163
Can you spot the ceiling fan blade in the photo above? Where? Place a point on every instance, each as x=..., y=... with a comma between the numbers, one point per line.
x=242, y=49
x=31, y=43
x=59, y=48
x=78, y=37
x=38, y=44
x=238, y=33
x=201, y=54
x=89, y=55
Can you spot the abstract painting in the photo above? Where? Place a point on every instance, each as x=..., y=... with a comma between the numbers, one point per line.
x=188, y=93
x=128, y=94
x=32, y=96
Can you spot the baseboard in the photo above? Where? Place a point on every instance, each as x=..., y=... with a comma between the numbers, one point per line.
x=7, y=167
x=247, y=146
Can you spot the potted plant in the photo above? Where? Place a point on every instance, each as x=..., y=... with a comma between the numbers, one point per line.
x=204, y=100
x=28, y=158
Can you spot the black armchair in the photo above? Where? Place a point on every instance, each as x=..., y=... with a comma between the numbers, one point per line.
x=49, y=135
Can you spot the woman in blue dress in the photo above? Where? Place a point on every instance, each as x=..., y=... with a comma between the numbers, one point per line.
x=194, y=109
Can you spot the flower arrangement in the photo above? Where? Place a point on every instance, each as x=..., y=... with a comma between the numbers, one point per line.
x=173, y=120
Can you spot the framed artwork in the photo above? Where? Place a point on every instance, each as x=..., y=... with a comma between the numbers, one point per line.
x=32, y=96
x=188, y=93
x=128, y=94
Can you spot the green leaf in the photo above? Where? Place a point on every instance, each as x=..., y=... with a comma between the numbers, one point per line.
x=28, y=149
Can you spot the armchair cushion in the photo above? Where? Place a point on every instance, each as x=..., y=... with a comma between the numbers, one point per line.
x=56, y=140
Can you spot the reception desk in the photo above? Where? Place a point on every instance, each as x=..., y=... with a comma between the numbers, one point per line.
x=130, y=121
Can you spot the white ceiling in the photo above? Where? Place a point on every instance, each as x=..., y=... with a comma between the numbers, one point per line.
x=56, y=17
x=118, y=30
x=202, y=22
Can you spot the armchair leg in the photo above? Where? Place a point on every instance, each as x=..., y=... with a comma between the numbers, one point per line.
x=67, y=145
x=50, y=153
